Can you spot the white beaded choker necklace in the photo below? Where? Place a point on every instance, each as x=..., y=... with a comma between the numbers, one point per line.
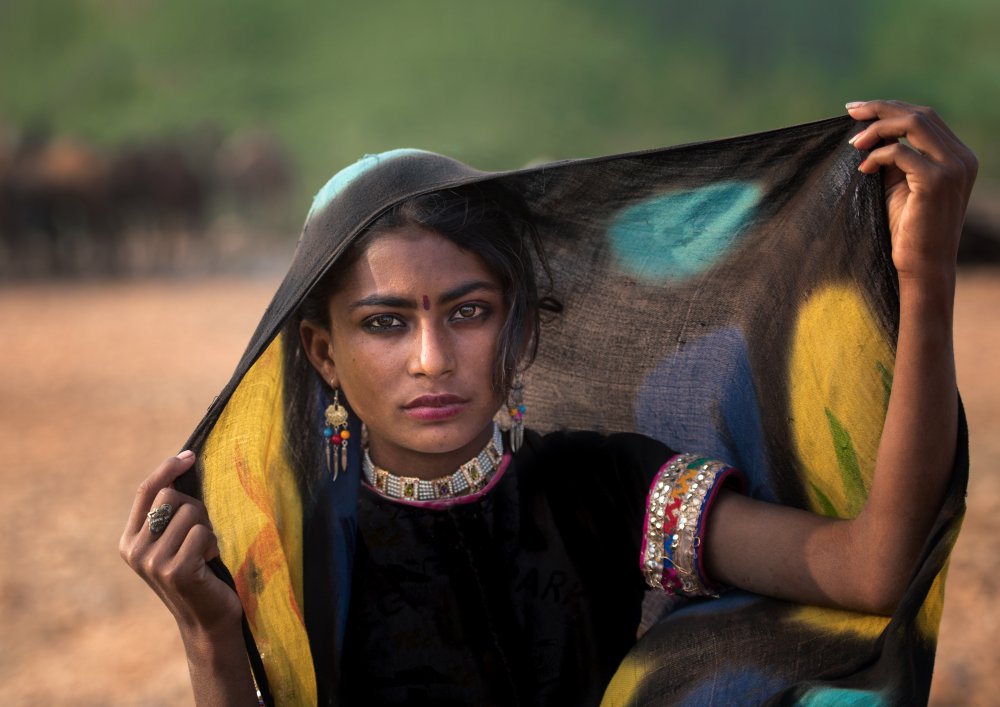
x=470, y=477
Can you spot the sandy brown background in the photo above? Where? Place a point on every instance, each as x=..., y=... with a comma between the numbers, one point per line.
x=99, y=382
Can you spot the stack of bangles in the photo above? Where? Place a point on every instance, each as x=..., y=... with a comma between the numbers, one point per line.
x=679, y=502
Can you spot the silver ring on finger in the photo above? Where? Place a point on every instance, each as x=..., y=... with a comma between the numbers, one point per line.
x=159, y=518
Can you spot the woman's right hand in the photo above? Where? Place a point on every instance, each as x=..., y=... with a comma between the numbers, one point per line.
x=175, y=562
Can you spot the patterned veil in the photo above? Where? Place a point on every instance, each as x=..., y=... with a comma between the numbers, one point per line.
x=735, y=298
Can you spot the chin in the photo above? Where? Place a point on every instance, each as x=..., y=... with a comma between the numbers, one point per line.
x=447, y=438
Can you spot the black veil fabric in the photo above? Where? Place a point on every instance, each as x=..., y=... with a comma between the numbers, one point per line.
x=734, y=298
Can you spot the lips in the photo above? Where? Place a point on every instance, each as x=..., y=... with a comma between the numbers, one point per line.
x=435, y=407
x=435, y=401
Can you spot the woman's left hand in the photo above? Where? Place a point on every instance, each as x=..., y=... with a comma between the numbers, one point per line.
x=927, y=183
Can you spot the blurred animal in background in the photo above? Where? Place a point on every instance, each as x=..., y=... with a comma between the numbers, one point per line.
x=72, y=209
x=55, y=212
x=161, y=199
x=255, y=171
x=980, y=242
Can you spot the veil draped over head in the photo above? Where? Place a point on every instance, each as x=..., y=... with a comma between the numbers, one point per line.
x=734, y=298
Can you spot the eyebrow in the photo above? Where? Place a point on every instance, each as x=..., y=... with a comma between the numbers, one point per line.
x=396, y=302
x=463, y=290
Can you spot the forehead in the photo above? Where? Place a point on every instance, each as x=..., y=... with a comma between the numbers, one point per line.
x=413, y=260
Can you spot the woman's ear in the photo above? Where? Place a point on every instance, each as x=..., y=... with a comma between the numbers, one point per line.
x=318, y=346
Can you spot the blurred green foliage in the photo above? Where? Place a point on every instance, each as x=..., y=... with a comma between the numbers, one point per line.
x=495, y=84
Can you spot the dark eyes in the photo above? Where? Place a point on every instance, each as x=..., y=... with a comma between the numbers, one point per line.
x=390, y=322
x=469, y=311
x=382, y=322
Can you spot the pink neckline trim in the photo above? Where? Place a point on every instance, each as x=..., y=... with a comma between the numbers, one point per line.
x=444, y=504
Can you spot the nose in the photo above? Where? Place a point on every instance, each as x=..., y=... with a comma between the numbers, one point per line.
x=433, y=353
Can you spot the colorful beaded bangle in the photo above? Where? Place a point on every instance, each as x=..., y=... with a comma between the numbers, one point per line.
x=679, y=501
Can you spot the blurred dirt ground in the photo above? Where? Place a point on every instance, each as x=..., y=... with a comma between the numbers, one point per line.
x=99, y=382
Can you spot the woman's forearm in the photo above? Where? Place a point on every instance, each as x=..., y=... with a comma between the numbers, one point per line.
x=917, y=450
x=220, y=671
x=863, y=563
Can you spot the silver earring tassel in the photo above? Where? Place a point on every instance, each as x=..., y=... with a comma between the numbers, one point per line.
x=336, y=435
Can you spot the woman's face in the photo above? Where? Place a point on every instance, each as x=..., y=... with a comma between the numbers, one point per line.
x=412, y=344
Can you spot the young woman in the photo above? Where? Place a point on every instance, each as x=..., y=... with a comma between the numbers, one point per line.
x=483, y=568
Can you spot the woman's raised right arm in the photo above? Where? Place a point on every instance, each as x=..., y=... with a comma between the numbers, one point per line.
x=174, y=562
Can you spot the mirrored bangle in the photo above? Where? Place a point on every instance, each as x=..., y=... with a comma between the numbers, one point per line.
x=680, y=499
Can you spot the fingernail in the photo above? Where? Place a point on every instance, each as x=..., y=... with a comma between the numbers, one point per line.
x=855, y=138
x=185, y=455
x=854, y=104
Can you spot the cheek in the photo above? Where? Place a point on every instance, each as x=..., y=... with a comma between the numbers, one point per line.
x=364, y=368
x=354, y=366
x=360, y=386
x=481, y=352
x=347, y=360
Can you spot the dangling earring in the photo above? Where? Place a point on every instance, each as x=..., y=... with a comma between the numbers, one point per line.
x=336, y=435
x=516, y=409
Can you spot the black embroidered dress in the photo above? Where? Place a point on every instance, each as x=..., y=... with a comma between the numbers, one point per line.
x=531, y=594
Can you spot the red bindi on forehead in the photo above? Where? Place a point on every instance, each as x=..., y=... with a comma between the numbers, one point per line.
x=427, y=303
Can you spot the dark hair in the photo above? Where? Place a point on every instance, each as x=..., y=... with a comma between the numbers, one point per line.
x=489, y=221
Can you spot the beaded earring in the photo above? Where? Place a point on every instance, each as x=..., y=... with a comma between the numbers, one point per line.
x=516, y=408
x=336, y=435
